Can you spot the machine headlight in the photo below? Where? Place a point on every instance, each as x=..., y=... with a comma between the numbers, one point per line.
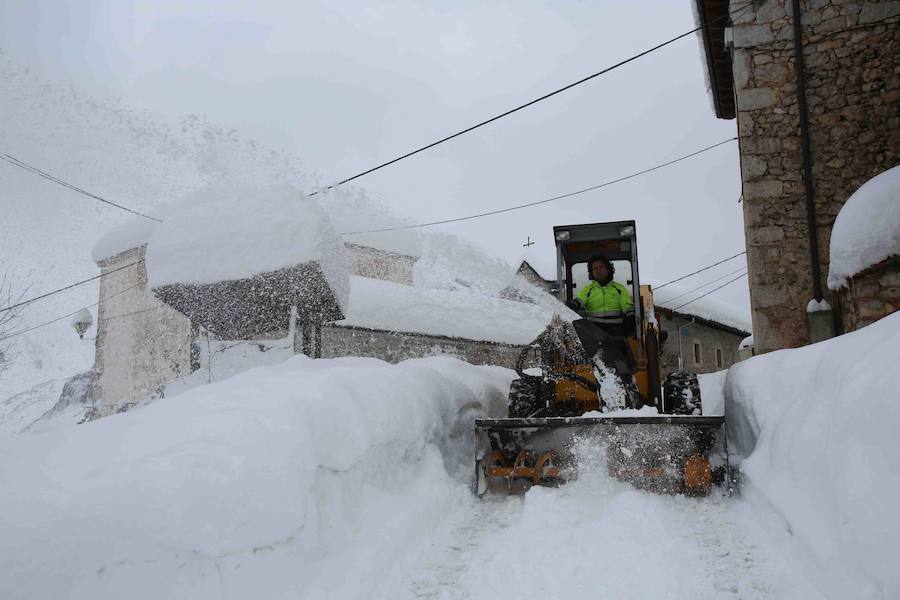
x=563, y=236
x=626, y=231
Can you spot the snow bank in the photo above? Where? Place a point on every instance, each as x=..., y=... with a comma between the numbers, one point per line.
x=300, y=480
x=867, y=228
x=228, y=232
x=389, y=306
x=815, y=430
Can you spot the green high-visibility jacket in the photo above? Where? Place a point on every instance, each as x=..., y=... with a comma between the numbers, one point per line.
x=606, y=303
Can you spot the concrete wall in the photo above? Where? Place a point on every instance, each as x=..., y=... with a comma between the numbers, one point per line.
x=709, y=338
x=141, y=343
x=396, y=346
x=378, y=264
x=853, y=95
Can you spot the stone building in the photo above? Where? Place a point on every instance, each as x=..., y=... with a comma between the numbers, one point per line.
x=808, y=137
x=146, y=349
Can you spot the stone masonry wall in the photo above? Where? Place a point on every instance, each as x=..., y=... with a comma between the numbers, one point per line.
x=709, y=338
x=142, y=344
x=393, y=347
x=871, y=295
x=851, y=53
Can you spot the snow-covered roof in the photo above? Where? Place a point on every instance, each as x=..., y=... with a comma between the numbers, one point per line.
x=867, y=228
x=385, y=305
x=707, y=308
x=224, y=233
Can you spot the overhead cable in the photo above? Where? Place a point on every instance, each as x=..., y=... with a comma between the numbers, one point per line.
x=708, y=283
x=709, y=292
x=32, y=169
x=68, y=287
x=706, y=268
x=522, y=106
x=546, y=200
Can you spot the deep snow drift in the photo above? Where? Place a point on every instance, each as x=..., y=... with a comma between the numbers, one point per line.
x=815, y=432
x=283, y=481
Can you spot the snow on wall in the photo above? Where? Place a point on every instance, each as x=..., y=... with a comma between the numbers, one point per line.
x=867, y=228
x=389, y=306
x=296, y=480
x=223, y=233
x=815, y=431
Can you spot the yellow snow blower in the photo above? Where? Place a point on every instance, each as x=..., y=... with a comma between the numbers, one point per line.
x=597, y=383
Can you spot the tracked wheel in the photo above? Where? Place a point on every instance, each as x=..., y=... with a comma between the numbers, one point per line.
x=682, y=394
x=524, y=397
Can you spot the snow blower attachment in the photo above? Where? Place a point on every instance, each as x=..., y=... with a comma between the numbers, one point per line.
x=598, y=386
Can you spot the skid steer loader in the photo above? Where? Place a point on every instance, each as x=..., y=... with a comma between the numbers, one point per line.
x=587, y=384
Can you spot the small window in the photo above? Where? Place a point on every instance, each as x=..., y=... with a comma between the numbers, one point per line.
x=697, y=353
x=719, y=362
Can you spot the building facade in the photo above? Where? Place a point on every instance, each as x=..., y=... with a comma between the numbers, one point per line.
x=808, y=137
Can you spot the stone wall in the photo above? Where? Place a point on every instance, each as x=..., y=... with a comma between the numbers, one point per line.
x=710, y=339
x=378, y=264
x=871, y=295
x=338, y=340
x=142, y=344
x=853, y=95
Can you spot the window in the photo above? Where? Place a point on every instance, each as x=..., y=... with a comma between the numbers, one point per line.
x=697, y=353
x=719, y=362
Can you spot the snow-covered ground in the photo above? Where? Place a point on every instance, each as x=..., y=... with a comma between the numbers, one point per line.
x=349, y=478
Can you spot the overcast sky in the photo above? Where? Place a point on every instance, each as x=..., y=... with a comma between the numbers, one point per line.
x=346, y=85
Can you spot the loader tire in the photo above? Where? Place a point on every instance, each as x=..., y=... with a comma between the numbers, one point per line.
x=682, y=394
x=524, y=398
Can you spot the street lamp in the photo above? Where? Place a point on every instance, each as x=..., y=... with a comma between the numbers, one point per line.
x=82, y=321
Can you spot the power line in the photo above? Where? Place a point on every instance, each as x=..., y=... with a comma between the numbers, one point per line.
x=546, y=200
x=71, y=314
x=513, y=110
x=31, y=169
x=706, y=268
x=709, y=292
x=699, y=287
x=68, y=287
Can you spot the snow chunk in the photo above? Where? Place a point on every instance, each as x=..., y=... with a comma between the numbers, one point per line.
x=133, y=233
x=867, y=228
x=818, y=306
x=815, y=431
x=389, y=306
x=224, y=233
x=746, y=343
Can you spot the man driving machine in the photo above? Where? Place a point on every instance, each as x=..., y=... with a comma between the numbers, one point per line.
x=603, y=301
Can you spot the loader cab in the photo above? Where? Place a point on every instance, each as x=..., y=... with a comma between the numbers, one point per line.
x=576, y=244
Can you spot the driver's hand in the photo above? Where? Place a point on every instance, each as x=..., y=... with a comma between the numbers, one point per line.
x=574, y=304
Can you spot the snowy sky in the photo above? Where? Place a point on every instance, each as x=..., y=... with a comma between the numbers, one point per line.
x=345, y=86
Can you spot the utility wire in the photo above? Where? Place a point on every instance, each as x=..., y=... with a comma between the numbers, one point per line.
x=521, y=106
x=709, y=292
x=68, y=287
x=699, y=287
x=706, y=268
x=546, y=200
x=57, y=319
x=31, y=169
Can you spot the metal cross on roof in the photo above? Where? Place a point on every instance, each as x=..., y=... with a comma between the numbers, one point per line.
x=528, y=243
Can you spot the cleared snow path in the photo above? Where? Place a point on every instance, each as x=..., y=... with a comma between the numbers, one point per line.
x=599, y=538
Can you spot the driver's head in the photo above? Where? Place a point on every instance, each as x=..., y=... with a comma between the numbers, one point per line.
x=601, y=269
